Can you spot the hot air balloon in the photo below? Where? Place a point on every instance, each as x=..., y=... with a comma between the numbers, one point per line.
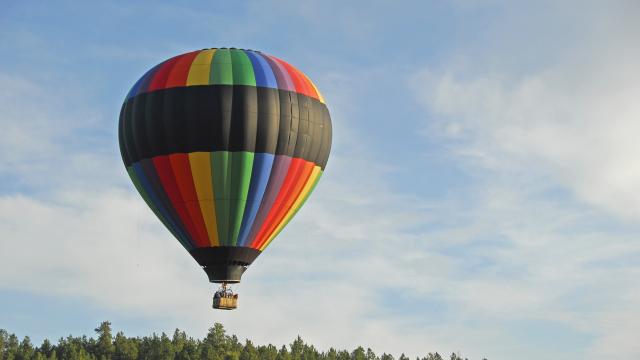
x=224, y=145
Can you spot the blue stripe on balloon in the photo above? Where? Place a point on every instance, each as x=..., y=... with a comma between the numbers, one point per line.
x=138, y=87
x=262, y=70
x=262, y=164
x=142, y=177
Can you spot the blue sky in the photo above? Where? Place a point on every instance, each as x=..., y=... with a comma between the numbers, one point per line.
x=484, y=172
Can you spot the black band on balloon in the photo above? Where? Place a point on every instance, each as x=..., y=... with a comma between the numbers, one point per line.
x=224, y=118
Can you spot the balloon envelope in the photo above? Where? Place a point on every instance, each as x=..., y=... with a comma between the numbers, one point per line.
x=224, y=145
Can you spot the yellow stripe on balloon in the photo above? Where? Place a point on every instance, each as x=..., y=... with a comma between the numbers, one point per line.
x=201, y=171
x=304, y=194
x=200, y=68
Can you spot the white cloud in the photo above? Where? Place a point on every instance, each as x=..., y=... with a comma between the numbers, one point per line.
x=572, y=122
x=543, y=142
x=92, y=245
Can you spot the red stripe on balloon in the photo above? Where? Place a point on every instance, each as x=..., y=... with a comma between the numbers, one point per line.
x=307, y=88
x=180, y=71
x=310, y=88
x=289, y=199
x=297, y=82
x=160, y=78
x=278, y=174
x=184, y=181
x=297, y=176
x=165, y=173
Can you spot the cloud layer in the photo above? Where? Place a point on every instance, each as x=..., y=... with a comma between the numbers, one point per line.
x=554, y=149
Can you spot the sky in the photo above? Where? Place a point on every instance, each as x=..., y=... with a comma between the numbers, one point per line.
x=481, y=195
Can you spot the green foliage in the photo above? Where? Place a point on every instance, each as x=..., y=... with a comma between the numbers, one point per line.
x=268, y=352
x=124, y=348
x=370, y=355
x=26, y=350
x=358, y=354
x=332, y=354
x=435, y=356
x=249, y=352
x=216, y=345
x=46, y=349
x=104, y=347
x=283, y=354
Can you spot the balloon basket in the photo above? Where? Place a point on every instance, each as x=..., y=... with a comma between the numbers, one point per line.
x=225, y=299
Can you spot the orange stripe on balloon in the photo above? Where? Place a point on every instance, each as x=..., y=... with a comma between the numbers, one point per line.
x=310, y=88
x=290, y=199
x=315, y=88
x=296, y=205
x=165, y=173
x=296, y=178
x=184, y=180
x=180, y=71
x=292, y=171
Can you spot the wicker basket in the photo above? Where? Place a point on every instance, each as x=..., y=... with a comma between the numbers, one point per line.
x=225, y=303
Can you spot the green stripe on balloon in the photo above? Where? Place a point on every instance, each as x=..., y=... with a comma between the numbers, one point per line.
x=231, y=179
x=241, y=168
x=221, y=191
x=221, y=68
x=242, y=68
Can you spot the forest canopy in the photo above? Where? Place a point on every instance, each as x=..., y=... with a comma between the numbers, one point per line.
x=217, y=345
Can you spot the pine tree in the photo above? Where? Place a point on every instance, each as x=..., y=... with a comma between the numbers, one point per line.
x=26, y=350
x=358, y=354
x=231, y=356
x=344, y=355
x=332, y=354
x=216, y=345
x=11, y=347
x=46, y=348
x=309, y=352
x=104, y=345
x=297, y=346
x=249, y=352
x=166, y=350
x=371, y=355
x=283, y=354
x=268, y=352
x=4, y=338
x=124, y=348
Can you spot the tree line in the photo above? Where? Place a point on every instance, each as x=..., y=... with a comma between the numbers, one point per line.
x=217, y=345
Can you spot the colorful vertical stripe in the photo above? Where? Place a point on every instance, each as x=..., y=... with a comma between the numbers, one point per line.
x=226, y=67
x=216, y=196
